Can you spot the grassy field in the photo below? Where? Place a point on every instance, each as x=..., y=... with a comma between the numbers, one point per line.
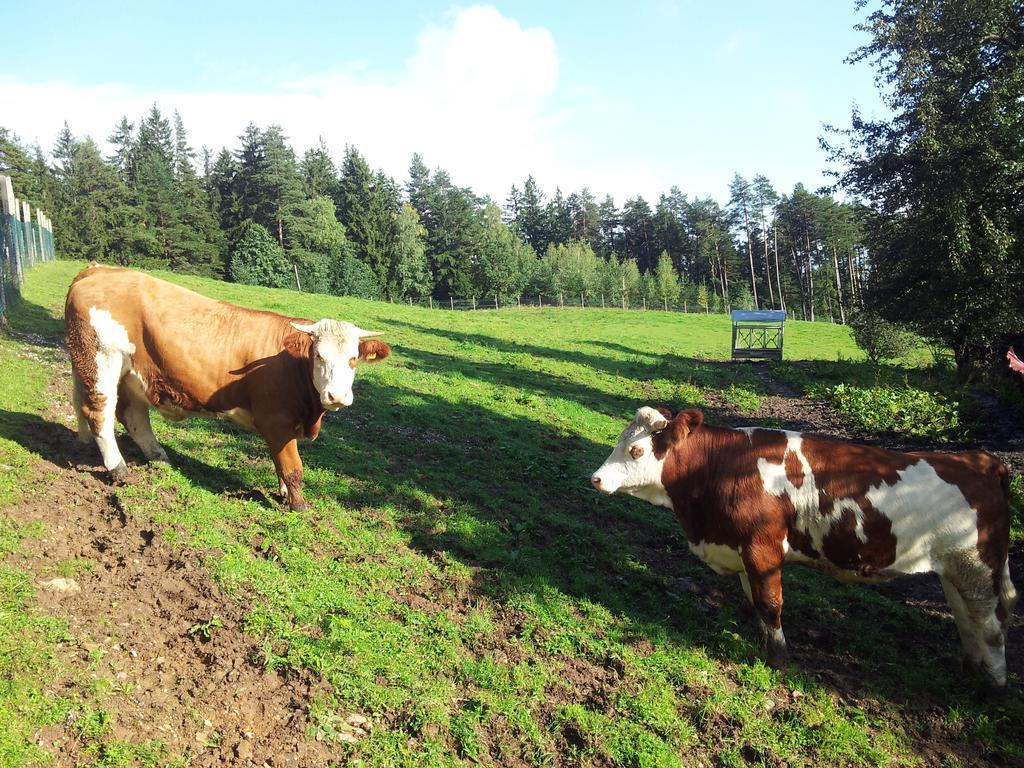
x=457, y=582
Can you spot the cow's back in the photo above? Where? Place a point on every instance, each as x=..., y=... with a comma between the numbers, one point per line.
x=860, y=512
x=187, y=347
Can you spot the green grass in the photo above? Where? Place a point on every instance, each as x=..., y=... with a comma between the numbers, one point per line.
x=459, y=584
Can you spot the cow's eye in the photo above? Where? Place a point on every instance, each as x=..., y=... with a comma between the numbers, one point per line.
x=636, y=451
x=352, y=362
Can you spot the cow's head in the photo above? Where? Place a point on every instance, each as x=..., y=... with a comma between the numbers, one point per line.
x=336, y=349
x=635, y=464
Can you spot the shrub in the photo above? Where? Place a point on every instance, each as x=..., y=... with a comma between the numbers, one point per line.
x=905, y=410
x=258, y=259
x=879, y=338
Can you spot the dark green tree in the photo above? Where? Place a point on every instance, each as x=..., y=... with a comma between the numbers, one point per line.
x=638, y=233
x=531, y=219
x=319, y=175
x=609, y=226
x=585, y=218
x=355, y=201
x=257, y=259
x=943, y=177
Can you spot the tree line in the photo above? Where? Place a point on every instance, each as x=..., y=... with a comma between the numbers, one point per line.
x=261, y=214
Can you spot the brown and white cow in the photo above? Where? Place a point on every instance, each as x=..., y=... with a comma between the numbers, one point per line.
x=752, y=499
x=136, y=342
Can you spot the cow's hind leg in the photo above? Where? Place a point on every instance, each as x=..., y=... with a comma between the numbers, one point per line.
x=113, y=359
x=981, y=631
x=103, y=423
x=970, y=651
x=134, y=414
x=763, y=583
x=78, y=401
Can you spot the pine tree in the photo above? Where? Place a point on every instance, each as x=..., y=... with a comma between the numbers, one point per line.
x=531, y=220
x=197, y=244
x=764, y=197
x=638, y=233
x=609, y=226
x=585, y=218
x=319, y=175
x=123, y=139
x=279, y=180
x=558, y=217
x=417, y=189
x=740, y=206
x=354, y=202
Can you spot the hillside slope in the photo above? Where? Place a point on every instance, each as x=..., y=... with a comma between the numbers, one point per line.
x=456, y=592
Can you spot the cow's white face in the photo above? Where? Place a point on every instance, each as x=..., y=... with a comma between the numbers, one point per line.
x=632, y=466
x=337, y=347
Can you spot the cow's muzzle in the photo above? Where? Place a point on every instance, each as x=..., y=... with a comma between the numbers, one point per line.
x=332, y=402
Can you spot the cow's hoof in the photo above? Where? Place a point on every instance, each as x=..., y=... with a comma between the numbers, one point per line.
x=159, y=458
x=776, y=659
x=994, y=691
x=300, y=507
x=119, y=474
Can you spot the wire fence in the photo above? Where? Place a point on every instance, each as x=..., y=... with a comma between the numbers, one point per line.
x=564, y=300
x=26, y=238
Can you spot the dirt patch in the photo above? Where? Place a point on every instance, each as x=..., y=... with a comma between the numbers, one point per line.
x=150, y=622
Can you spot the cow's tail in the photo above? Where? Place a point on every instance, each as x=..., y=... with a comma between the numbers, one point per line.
x=1007, y=593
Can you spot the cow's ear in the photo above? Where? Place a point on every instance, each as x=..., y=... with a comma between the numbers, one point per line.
x=665, y=412
x=372, y=350
x=691, y=418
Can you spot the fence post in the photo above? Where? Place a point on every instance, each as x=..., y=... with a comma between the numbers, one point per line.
x=623, y=301
x=474, y=303
x=602, y=301
x=298, y=285
x=582, y=303
x=430, y=301
x=665, y=300
x=519, y=302
x=540, y=300
x=451, y=300
x=561, y=301
x=644, y=299
x=495, y=301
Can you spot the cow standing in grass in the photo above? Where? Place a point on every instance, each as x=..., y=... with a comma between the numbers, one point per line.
x=752, y=499
x=138, y=342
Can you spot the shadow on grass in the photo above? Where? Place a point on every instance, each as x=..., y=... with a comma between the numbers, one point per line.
x=34, y=324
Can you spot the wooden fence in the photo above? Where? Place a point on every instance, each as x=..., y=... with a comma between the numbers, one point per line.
x=26, y=238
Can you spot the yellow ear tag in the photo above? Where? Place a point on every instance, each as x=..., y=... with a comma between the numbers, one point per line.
x=372, y=356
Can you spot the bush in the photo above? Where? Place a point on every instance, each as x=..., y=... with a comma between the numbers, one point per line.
x=904, y=410
x=879, y=338
x=354, y=278
x=258, y=260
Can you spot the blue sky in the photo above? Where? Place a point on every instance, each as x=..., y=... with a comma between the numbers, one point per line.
x=626, y=98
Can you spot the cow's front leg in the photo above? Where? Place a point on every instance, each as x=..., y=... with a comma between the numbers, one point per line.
x=289, y=471
x=762, y=581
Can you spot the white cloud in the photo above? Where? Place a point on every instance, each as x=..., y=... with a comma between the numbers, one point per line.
x=475, y=98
